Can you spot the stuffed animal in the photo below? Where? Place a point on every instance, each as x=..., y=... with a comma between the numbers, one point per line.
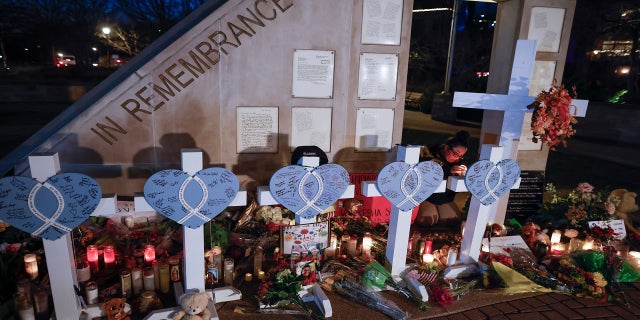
x=194, y=307
x=114, y=309
x=626, y=207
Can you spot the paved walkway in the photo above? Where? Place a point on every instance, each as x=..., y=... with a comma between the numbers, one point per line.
x=555, y=306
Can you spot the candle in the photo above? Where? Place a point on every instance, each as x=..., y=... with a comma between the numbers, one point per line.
x=557, y=248
x=24, y=306
x=260, y=274
x=555, y=236
x=367, y=242
x=109, y=256
x=329, y=253
x=257, y=260
x=228, y=272
x=334, y=241
x=41, y=301
x=149, y=280
x=164, y=277
x=452, y=257
x=91, y=292
x=83, y=272
x=125, y=282
x=149, y=253
x=428, y=246
x=427, y=258
x=92, y=257
x=588, y=244
x=574, y=244
x=343, y=244
x=31, y=265
x=248, y=277
x=352, y=245
x=136, y=280
x=156, y=273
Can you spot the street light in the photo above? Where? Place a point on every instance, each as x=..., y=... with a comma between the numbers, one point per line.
x=107, y=31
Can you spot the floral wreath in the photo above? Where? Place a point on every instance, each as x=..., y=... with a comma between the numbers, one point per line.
x=552, y=121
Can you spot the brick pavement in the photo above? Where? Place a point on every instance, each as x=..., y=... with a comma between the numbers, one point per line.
x=555, y=306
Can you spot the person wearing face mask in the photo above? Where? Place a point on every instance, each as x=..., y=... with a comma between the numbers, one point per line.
x=441, y=206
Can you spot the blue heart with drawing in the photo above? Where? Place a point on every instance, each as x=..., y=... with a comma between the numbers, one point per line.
x=406, y=186
x=50, y=209
x=309, y=192
x=488, y=182
x=191, y=200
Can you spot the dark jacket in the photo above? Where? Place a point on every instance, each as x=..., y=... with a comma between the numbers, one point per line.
x=436, y=154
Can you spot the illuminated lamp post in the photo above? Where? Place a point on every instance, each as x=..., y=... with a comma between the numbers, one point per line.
x=106, y=31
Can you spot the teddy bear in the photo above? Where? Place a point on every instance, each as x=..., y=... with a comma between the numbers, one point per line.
x=625, y=207
x=114, y=308
x=194, y=306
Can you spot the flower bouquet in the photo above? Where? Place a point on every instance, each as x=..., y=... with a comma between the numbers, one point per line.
x=282, y=290
x=552, y=121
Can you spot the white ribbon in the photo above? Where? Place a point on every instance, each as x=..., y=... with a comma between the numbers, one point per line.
x=409, y=196
x=310, y=203
x=486, y=183
x=48, y=222
x=193, y=212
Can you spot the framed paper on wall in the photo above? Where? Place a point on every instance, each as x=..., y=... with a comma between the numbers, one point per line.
x=378, y=76
x=304, y=236
x=374, y=129
x=311, y=127
x=381, y=22
x=257, y=129
x=313, y=74
x=546, y=27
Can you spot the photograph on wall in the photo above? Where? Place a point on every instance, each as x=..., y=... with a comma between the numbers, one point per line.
x=311, y=127
x=381, y=22
x=257, y=129
x=374, y=129
x=378, y=76
x=304, y=236
x=313, y=74
x=546, y=27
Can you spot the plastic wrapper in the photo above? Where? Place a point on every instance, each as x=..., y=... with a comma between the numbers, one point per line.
x=377, y=276
x=355, y=292
x=525, y=263
x=615, y=268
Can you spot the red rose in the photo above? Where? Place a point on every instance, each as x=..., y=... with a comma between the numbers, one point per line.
x=441, y=296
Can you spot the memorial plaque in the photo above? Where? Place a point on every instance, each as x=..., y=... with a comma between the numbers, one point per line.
x=526, y=200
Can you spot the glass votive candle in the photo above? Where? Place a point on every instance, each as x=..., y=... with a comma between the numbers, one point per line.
x=427, y=258
x=164, y=277
x=83, y=271
x=248, y=277
x=31, y=265
x=92, y=257
x=367, y=242
x=136, y=280
x=149, y=279
x=149, y=253
x=228, y=272
x=109, y=256
x=41, y=301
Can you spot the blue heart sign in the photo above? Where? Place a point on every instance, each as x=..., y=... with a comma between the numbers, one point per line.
x=191, y=200
x=488, y=182
x=50, y=209
x=309, y=192
x=406, y=186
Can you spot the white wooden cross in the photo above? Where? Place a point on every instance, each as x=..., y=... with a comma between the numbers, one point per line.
x=312, y=292
x=514, y=105
x=59, y=253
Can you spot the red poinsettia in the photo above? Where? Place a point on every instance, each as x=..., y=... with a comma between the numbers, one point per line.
x=552, y=121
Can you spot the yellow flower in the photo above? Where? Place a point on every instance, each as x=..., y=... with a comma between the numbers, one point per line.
x=599, y=279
